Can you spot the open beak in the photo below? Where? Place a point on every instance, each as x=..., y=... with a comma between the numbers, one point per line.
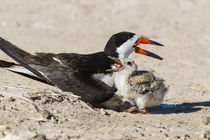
x=117, y=66
x=139, y=50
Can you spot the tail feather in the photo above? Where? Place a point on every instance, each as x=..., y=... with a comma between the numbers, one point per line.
x=6, y=64
x=20, y=56
x=20, y=70
x=11, y=50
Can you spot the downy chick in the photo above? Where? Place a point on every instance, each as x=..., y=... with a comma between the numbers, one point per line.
x=141, y=88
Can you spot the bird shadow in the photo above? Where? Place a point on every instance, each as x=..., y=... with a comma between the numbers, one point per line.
x=178, y=108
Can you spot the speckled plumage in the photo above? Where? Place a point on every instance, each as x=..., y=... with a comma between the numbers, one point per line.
x=142, y=88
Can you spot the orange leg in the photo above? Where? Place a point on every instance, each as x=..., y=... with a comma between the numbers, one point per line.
x=135, y=109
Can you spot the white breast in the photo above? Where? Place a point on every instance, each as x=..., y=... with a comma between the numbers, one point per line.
x=121, y=83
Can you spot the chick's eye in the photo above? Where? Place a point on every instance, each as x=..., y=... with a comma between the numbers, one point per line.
x=129, y=63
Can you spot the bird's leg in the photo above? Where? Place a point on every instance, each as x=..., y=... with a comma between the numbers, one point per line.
x=136, y=109
x=144, y=111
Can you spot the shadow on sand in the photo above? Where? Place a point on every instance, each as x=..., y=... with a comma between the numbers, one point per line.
x=178, y=108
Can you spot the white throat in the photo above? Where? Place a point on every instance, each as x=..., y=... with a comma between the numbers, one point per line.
x=120, y=80
x=124, y=51
x=127, y=48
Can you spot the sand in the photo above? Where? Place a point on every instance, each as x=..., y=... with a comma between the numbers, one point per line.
x=33, y=110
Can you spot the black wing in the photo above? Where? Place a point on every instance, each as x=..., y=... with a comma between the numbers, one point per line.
x=91, y=63
x=69, y=72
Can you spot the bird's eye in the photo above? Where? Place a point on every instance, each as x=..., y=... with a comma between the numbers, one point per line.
x=129, y=63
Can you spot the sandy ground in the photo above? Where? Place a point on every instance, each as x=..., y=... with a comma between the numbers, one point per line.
x=33, y=110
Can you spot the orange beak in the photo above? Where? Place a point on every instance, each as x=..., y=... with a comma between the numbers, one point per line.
x=139, y=50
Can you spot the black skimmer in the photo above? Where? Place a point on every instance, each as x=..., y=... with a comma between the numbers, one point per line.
x=68, y=71
x=142, y=88
x=74, y=72
x=122, y=44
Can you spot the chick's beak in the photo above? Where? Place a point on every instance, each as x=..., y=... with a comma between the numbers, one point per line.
x=116, y=66
x=139, y=50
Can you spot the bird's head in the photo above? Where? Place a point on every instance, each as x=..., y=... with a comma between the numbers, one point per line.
x=122, y=44
x=124, y=65
x=129, y=66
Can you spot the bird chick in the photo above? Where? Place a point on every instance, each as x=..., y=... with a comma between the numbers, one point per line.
x=142, y=88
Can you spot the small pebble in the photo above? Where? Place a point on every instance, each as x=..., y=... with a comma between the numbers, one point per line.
x=12, y=99
x=177, y=137
x=45, y=114
x=39, y=137
x=206, y=120
x=35, y=98
x=203, y=135
x=16, y=24
x=103, y=111
x=142, y=134
x=166, y=135
x=107, y=113
x=2, y=133
x=186, y=136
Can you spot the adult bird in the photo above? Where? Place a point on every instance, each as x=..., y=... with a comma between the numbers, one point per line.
x=121, y=45
x=75, y=72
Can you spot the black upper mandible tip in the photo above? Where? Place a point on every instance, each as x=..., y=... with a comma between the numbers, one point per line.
x=156, y=43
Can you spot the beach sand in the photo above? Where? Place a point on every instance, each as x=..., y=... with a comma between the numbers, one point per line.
x=34, y=110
